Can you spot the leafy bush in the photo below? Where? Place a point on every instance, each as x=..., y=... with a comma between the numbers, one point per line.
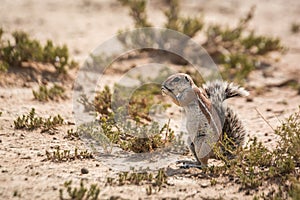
x=25, y=49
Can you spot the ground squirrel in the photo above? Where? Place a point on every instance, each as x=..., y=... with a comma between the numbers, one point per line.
x=208, y=118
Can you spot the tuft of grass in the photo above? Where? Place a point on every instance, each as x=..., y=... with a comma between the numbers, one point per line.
x=54, y=93
x=82, y=192
x=65, y=155
x=31, y=122
x=25, y=49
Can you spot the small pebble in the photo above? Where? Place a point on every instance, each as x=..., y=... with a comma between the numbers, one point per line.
x=84, y=171
x=249, y=99
x=204, y=185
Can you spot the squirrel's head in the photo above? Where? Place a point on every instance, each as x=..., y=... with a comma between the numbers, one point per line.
x=176, y=86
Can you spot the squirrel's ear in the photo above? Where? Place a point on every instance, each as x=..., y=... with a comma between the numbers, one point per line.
x=188, y=79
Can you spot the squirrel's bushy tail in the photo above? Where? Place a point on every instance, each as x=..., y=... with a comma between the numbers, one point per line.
x=218, y=91
x=234, y=129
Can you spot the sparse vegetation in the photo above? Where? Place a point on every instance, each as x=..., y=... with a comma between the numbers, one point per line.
x=31, y=122
x=255, y=164
x=128, y=125
x=154, y=181
x=25, y=49
x=80, y=193
x=235, y=49
x=59, y=155
x=54, y=93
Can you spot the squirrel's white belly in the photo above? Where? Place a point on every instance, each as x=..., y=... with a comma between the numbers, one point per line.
x=196, y=120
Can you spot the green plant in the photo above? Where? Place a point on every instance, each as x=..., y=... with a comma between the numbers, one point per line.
x=65, y=155
x=31, y=122
x=54, y=93
x=80, y=193
x=25, y=49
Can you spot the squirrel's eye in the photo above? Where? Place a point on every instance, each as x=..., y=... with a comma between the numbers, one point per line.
x=176, y=79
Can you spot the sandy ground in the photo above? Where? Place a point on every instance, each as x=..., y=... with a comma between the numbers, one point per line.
x=85, y=24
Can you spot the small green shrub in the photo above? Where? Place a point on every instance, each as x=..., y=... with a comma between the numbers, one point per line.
x=65, y=155
x=55, y=93
x=25, y=49
x=80, y=193
x=31, y=122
